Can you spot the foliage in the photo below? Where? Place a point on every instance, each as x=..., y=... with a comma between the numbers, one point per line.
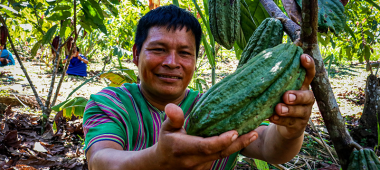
x=74, y=106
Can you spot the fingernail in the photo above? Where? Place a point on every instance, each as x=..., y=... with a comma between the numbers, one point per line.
x=253, y=138
x=308, y=59
x=292, y=97
x=275, y=117
x=284, y=109
x=234, y=137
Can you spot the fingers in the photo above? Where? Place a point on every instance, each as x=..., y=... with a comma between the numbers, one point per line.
x=308, y=63
x=298, y=97
x=175, y=118
x=299, y=111
x=289, y=122
x=240, y=143
x=204, y=146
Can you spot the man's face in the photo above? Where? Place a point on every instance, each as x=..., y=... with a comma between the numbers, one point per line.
x=74, y=51
x=166, y=61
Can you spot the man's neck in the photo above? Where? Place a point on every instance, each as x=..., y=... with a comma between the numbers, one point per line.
x=159, y=102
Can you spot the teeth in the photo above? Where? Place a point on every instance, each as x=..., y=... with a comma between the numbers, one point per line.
x=169, y=77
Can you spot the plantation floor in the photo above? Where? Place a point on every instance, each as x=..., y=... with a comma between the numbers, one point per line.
x=23, y=146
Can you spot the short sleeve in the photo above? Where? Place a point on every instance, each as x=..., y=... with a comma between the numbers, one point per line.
x=102, y=122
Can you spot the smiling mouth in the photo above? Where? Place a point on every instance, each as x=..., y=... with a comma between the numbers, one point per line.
x=172, y=77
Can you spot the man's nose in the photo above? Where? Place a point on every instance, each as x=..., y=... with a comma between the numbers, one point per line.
x=171, y=60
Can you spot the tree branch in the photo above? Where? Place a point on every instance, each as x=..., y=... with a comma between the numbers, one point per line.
x=321, y=86
x=70, y=52
x=22, y=67
x=290, y=27
x=53, y=76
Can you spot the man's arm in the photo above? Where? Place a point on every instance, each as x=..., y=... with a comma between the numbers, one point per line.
x=281, y=141
x=83, y=59
x=174, y=149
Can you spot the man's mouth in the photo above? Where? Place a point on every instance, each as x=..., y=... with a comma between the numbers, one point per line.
x=165, y=76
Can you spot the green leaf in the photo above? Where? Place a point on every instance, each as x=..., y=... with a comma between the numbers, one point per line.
x=86, y=27
x=103, y=28
x=92, y=10
x=61, y=8
x=340, y=54
x=330, y=15
x=9, y=11
x=332, y=43
x=261, y=165
x=116, y=79
x=349, y=53
x=367, y=52
x=251, y=15
x=57, y=16
x=211, y=59
x=238, y=51
x=77, y=101
x=349, y=30
x=71, y=107
x=175, y=2
x=35, y=48
x=367, y=32
x=63, y=28
x=111, y=8
x=49, y=35
x=207, y=23
x=116, y=2
x=373, y=3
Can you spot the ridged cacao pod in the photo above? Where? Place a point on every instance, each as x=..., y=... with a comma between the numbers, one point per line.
x=244, y=99
x=224, y=21
x=69, y=43
x=55, y=44
x=4, y=35
x=363, y=159
x=269, y=34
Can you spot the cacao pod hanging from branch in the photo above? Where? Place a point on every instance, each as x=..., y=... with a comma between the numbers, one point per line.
x=55, y=44
x=225, y=21
x=4, y=35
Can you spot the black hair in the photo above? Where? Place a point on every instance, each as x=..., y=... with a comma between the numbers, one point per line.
x=78, y=49
x=172, y=17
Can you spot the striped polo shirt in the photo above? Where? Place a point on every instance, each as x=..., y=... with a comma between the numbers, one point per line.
x=123, y=115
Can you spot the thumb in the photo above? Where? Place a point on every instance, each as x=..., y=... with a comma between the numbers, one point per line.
x=175, y=118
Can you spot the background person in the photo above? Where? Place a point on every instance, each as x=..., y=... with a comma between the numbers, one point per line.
x=78, y=63
x=6, y=58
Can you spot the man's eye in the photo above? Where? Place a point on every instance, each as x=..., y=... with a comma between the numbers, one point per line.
x=185, y=53
x=158, y=49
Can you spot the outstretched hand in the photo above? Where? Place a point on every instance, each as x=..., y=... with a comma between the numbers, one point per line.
x=294, y=113
x=177, y=150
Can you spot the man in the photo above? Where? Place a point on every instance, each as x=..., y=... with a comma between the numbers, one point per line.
x=141, y=126
x=6, y=58
x=78, y=63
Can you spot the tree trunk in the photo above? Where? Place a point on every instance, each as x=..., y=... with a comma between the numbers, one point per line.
x=321, y=86
x=367, y=128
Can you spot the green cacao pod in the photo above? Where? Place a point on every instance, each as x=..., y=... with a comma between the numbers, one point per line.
x=245, y=98
x=224, y=18
x=363, y=159
x=269, y=34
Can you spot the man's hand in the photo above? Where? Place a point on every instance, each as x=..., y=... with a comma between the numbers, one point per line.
x=177, y=150
x=294, y=113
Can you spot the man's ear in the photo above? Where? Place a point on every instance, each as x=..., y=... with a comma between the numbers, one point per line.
x=135, y=55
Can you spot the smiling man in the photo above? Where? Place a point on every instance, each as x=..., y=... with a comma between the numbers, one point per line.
x=140, y=126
